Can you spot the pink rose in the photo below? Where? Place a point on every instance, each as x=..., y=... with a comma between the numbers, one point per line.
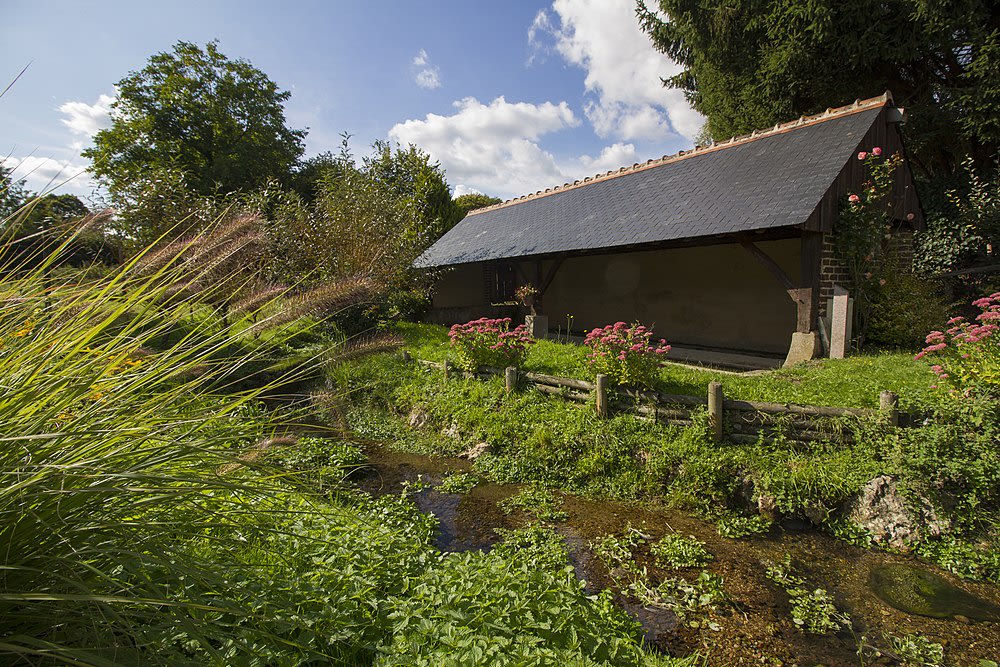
x=877, y=151
x=854, y=199
x=862, y=155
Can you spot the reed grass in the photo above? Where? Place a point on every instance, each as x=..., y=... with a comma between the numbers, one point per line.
x=119, y=526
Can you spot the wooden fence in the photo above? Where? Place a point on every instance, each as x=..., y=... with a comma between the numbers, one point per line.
x=735, y=420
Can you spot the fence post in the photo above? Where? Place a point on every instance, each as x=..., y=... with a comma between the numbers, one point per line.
x=889, y=405
x=601, y=392
x=715, y=400
x=510, y=378
x=447, y=369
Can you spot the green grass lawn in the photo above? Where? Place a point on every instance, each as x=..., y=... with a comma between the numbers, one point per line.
x=852, y=382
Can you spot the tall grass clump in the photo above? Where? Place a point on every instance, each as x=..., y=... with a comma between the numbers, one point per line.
x=127, y=519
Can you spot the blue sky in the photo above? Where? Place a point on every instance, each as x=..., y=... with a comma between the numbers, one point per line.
x=510, y=97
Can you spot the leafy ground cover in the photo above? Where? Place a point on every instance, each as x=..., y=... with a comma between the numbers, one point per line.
x=950, y=460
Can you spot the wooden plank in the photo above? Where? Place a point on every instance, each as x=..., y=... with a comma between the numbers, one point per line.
x=556, y=391
x=792, y=408
x=657, y=397
x=555, y=381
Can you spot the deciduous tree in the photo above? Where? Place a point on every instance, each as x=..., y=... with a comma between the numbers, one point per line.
x=751, y=63
x=217, y=121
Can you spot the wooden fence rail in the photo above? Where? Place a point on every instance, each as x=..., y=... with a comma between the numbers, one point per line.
x=735, y=420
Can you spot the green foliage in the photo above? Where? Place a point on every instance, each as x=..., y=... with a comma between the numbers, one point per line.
x=964, y=230
x=510, y=607
x=917, y=650
x=735, y=526
x=488, y=342
x=539, y=543
x=473, y=200
x=459, y=482
x=812, y=610
x=902, y=308
x=681, y=596
x=321, y=463
x=673, y=550
x=748, y=65
x=13, y=194
x=962, y=558
x=536, y=500
x=217, y=122
x=618, y=550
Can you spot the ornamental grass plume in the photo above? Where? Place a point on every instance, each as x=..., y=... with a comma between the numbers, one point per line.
x=967, y=353
x=626, y=353
x=489, y=342
x=120, y=542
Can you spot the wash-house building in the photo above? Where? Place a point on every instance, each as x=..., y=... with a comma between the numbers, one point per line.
x=725, y=247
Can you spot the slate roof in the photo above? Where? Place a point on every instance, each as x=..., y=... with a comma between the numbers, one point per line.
x=762, y=181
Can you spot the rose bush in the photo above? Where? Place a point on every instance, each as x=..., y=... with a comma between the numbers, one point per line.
x=625, y=353
x=489, y=342
x=967, y=354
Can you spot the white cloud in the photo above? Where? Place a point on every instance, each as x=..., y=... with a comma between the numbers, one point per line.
x=623, y=70
x=428, y=75
x=494, y=148
x=88, y=119
x=43, y=175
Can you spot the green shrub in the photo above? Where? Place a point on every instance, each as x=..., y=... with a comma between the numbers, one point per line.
x=904, y=306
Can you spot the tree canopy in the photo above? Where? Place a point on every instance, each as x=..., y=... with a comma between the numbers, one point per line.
x=12, y=193
x=218, y=122
x=751, y=63
x=473, y=200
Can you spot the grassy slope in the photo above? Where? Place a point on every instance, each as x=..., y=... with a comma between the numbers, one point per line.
x=853, y=382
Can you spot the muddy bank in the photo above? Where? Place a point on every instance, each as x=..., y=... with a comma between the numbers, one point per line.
x=755, y=627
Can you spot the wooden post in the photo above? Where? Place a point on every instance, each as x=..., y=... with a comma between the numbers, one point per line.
x=510, y=378
x=601, y=392
x=447, y=369
x=715, y=400
x=889, y=405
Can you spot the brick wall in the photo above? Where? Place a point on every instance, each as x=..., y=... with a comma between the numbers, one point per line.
x=833, y=272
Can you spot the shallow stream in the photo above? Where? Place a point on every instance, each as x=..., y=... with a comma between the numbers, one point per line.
x=755, y=628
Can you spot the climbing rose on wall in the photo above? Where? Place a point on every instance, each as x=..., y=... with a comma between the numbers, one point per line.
x=625, y=353
x=487, y=342
x=967, y=354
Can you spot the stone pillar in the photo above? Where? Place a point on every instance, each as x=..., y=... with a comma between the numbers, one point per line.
x=805, y=345
x=840, y=322
x=538, y=326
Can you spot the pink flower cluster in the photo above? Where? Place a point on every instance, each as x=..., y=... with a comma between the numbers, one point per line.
x=489, y=342
x=626, y=353
x=969, y=352
x=864, y=155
